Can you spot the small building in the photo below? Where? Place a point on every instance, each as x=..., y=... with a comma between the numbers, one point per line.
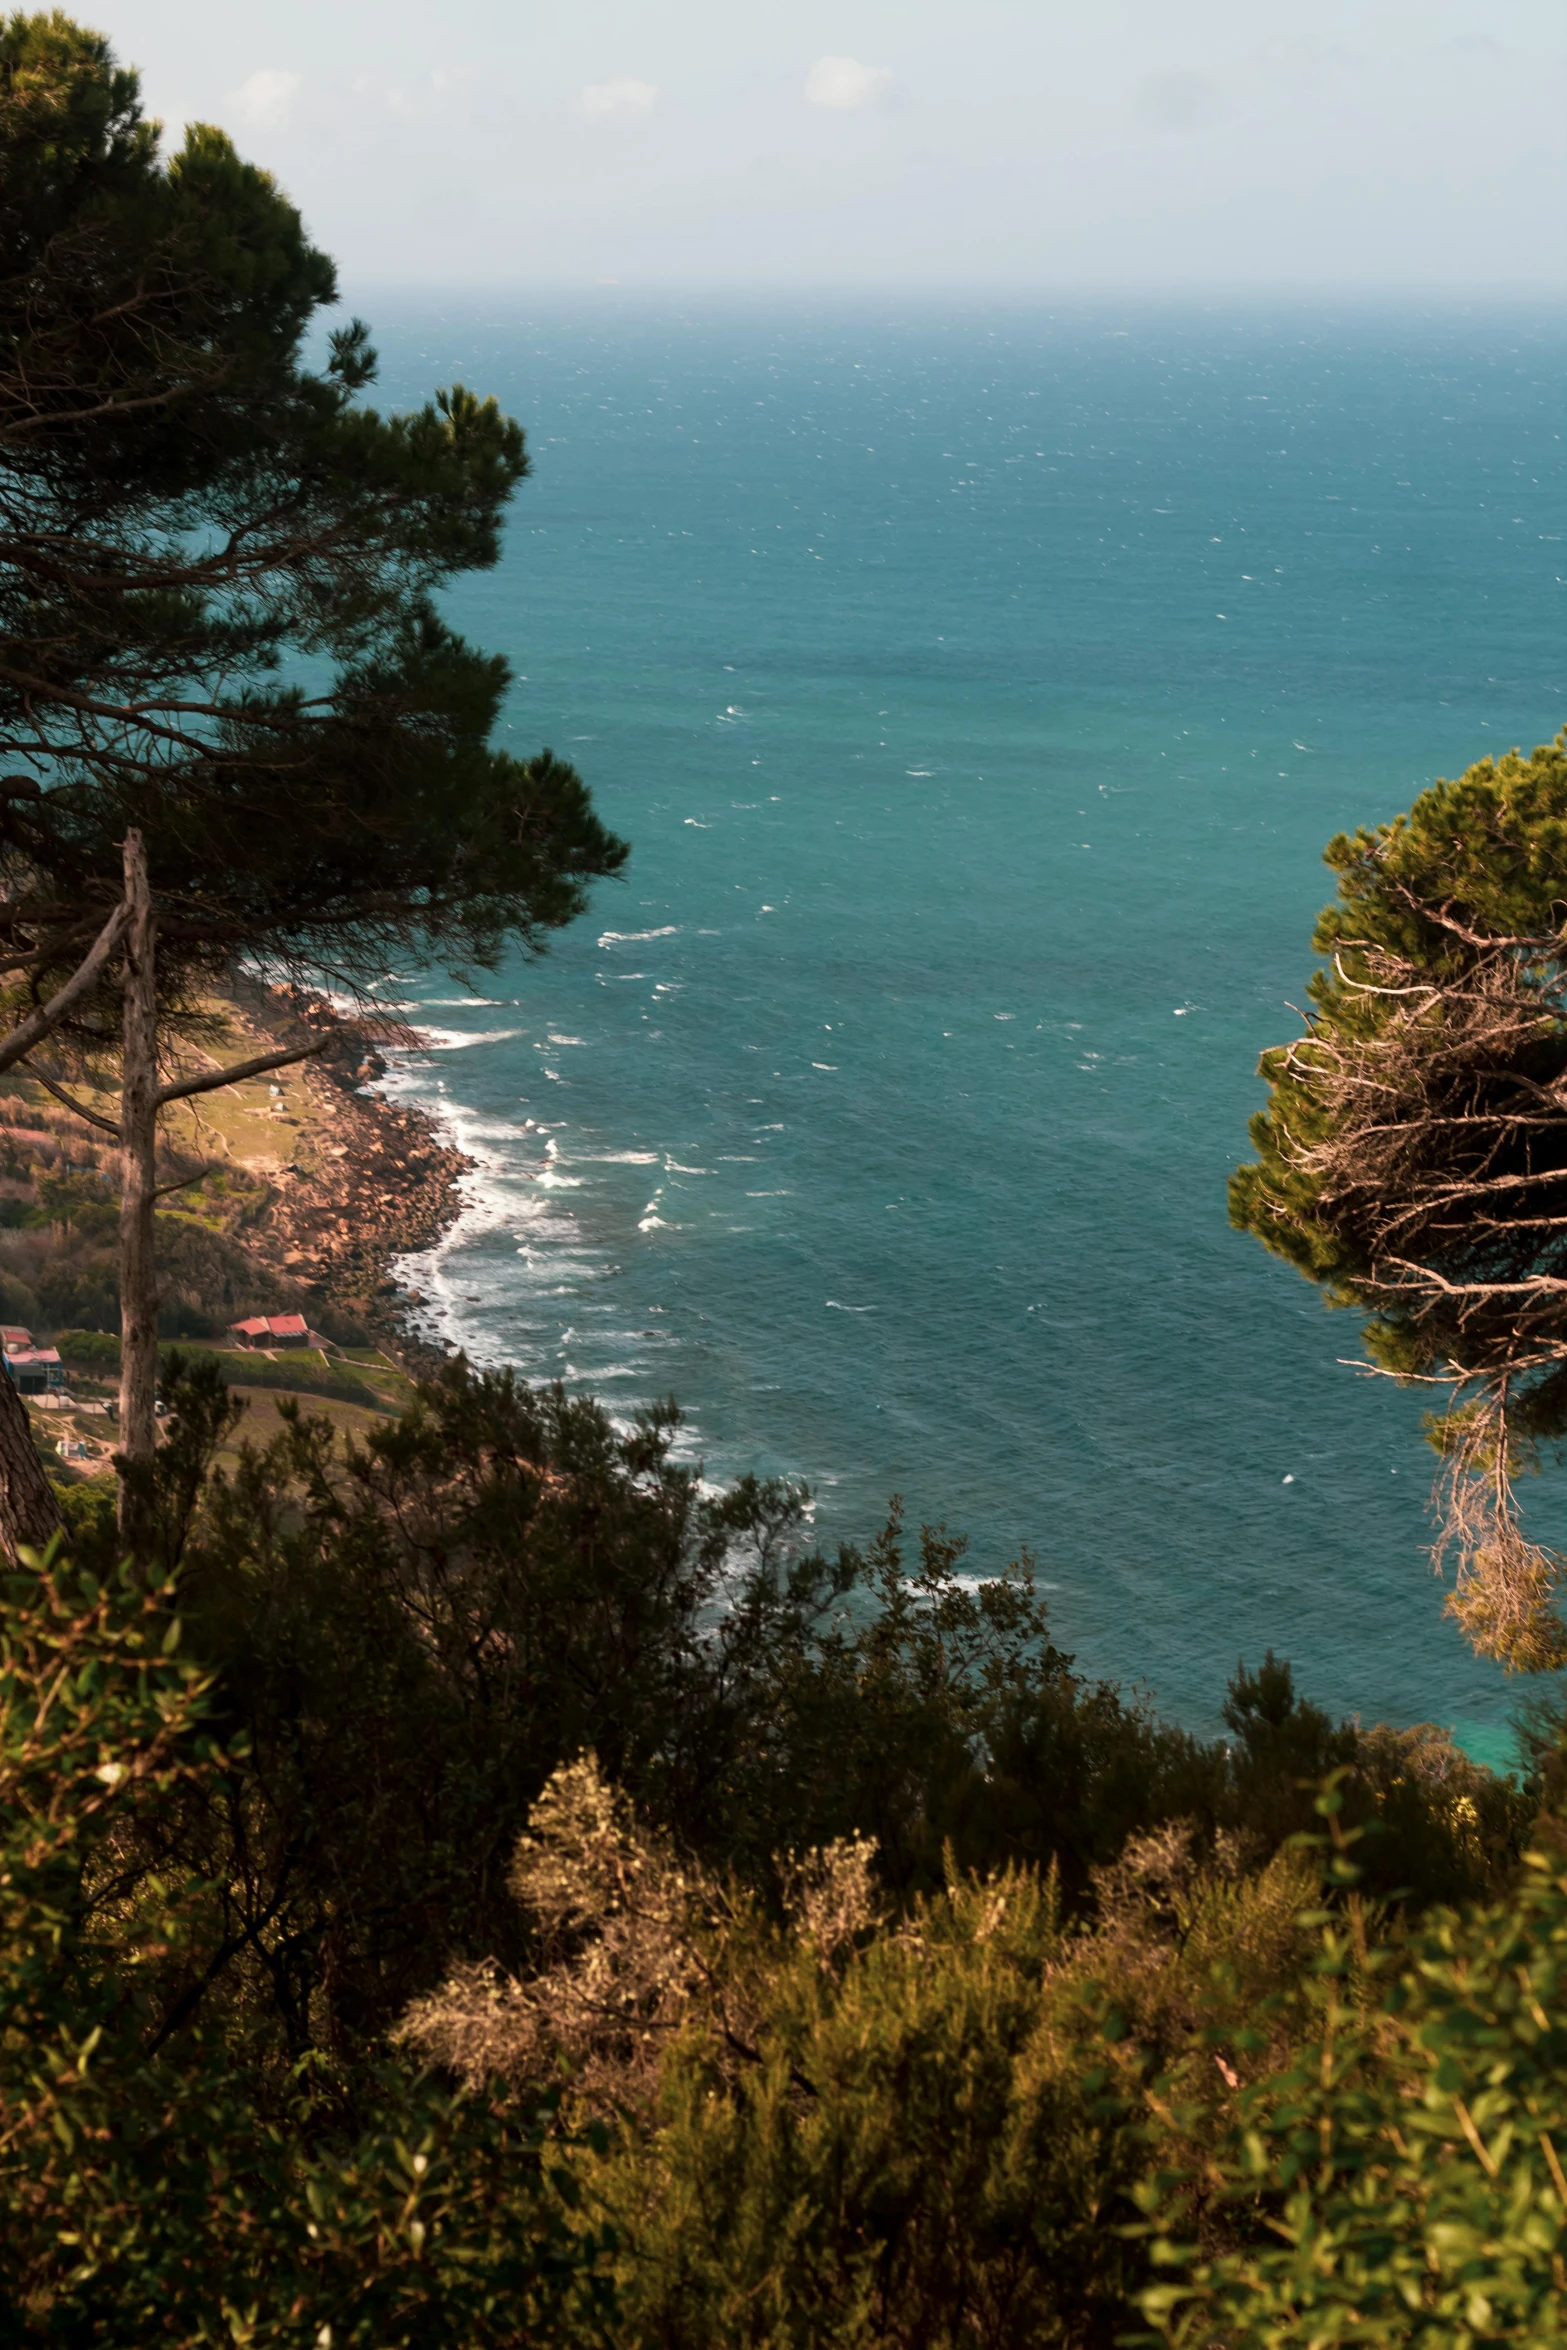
x=32, y=1370
x=14, y=1338
x=271, y=1330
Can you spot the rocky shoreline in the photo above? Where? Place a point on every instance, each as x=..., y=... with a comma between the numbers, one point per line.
x=384, y=1185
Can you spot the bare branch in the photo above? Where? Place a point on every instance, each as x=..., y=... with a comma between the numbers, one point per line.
x=79, y=1108
x=39, y=1024
x=185, y=1086
x=1365, y=987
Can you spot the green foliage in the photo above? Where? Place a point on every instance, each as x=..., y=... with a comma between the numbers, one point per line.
x=924, y=2145
x=411, y=1636
x=1402, y=2178
x=194, y=520
x=836, y=2122
x=61, y=1258
x=1413, y=1154
x=146, y=2197
x=94, y=1350
x=411, y=1639
x=1475, y=861
x=813, y=2092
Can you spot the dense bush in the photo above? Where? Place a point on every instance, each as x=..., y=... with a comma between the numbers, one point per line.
x=410, y=1637
x=1401, y=2178
x=856, y=2123
x=93, y=1350
x=147, y=2196
x=889, y=1962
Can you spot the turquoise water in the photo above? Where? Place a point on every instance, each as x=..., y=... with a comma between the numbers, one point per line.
x=978, y=691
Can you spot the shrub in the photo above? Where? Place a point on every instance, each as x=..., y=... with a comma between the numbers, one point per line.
x=1402, y=2178
x=156, y=2187
x=846, y=2123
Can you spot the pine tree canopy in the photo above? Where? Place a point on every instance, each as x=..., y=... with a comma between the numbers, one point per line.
x=1413, y=1154
x=219, y=573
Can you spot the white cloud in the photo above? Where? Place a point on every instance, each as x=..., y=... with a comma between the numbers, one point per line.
x=624, y=95
x=844, y=84
x=266, y=101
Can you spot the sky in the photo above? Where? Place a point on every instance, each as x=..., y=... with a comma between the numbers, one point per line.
x=1216, y=147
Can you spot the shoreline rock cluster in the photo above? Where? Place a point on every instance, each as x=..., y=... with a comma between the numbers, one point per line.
x=383, y=1186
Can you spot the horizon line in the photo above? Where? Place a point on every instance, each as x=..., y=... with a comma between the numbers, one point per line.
x=1064, y=295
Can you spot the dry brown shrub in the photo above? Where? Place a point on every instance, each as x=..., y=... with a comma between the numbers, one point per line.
x=1505, y=1585
x=633, y=1941
x=1439, y=1155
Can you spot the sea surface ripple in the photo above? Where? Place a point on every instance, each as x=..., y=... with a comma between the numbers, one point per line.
x=978, y=689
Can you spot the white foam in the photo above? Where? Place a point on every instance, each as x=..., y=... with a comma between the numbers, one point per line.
x=457, y=1040
x=560, y=1257
x=980, y=1582
x=843, y=1309
x=621, y=938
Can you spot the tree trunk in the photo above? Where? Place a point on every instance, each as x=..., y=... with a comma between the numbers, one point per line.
x=138, y=1187
x=29, y=1511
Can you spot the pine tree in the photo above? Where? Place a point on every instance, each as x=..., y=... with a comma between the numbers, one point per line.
x=1413, y=1154
x=218, y=628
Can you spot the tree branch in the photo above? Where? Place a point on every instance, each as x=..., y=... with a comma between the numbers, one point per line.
x=38, y=1024
x=185, y=1086
x=93, y=1119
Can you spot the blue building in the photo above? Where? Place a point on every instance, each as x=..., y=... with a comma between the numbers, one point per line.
x=32, y=1370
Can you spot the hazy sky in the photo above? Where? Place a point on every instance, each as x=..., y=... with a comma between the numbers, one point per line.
x=1219, y=145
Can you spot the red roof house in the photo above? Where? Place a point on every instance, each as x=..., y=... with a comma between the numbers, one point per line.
x=271, y=1330
x=33, y=1370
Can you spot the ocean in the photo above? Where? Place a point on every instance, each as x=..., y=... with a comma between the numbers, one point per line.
x=978, y=687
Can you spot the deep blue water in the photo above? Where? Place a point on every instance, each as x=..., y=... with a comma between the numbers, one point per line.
x=978, y=691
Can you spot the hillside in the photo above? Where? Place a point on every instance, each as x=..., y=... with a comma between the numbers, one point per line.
x=287, y=1195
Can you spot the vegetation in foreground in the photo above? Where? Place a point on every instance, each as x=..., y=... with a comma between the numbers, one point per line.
x=478, y=1887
